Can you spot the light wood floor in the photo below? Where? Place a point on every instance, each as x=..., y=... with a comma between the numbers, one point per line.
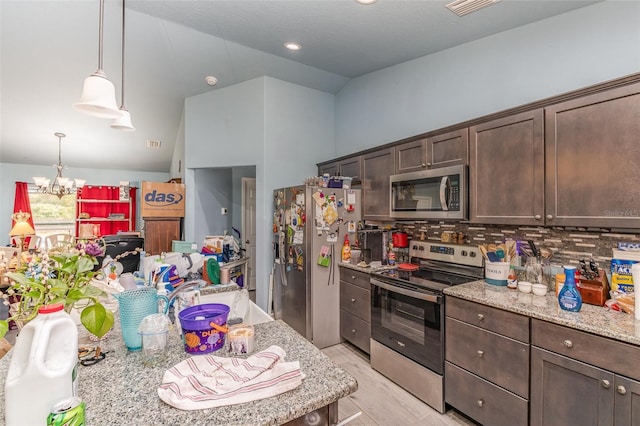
x=381, y=401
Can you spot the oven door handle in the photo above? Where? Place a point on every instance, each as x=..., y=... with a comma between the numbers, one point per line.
x=422, y=296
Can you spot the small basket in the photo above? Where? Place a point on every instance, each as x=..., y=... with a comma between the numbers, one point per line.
x=204, y=327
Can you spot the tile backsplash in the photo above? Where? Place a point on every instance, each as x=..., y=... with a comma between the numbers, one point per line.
x=567, y=244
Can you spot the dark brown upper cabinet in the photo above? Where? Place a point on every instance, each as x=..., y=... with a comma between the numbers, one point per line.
x=377, y=166
x=447, y=149
x=506, y=170
x=592, y=147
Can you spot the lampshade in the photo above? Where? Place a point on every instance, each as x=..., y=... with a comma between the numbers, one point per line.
x=98, y=97
x=22, y=228
x=123, y=122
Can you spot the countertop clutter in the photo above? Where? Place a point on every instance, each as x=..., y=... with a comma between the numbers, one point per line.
x=120, y=389
x=593, y=319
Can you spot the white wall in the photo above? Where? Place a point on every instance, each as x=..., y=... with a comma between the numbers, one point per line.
x=570, y=51
x=12, y=173
x=280, y=128
x=177, y=160
x=212, y=193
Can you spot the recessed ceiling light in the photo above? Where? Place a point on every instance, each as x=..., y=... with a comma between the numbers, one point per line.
x=292, y=46
x=211, y=80
x=366, y=1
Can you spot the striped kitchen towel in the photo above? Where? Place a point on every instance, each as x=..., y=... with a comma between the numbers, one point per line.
x=208, y=381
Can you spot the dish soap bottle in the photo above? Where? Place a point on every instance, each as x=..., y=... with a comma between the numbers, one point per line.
x=346, y=250
x=569, y=297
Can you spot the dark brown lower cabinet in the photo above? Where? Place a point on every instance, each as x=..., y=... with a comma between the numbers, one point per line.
x=565, y=391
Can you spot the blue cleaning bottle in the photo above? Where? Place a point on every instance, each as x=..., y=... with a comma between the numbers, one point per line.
x=569, y=297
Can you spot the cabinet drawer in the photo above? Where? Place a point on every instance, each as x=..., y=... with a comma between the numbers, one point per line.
x=355, y=300
x=483, y=401
x=595, y=350
x=355, y=330
x=492, y=319
x=355, y=277
x=499, y=359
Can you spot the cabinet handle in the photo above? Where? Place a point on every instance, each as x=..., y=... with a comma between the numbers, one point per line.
x=537, y=217
x=353, y=277
x=480, y=354
x=606, y=384
x=568, y=343
x=622, y=390
x=549, y=216
x=480, y=317
x=428, y=164
x=353, y=300
x=353, y=331
x=480, y=403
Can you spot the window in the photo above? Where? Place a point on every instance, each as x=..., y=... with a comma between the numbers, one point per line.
x=52, y=215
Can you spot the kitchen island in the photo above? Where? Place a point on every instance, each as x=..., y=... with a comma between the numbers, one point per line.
x=121, y=390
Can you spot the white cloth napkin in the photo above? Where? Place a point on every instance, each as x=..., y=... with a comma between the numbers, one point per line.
x=208, y=381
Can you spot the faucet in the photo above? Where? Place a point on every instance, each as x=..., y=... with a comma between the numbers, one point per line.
x=183, y=287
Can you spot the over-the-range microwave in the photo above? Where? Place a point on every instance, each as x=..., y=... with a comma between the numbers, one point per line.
x=430, y=194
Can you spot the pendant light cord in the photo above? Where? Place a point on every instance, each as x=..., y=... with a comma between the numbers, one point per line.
x=100, y=34
x=122, y=82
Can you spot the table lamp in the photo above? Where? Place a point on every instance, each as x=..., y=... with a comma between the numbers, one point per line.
x=21, y=228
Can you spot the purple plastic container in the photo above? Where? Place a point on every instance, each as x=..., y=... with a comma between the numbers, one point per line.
x=204, y=327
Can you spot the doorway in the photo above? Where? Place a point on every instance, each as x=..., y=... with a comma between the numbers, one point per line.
x=249, y=231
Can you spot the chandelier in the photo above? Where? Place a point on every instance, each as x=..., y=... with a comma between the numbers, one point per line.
x=59, y=185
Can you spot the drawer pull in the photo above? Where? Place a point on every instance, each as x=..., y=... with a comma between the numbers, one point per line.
x=353, y=300
x=353, y=277
x=622, y=390
x=480, y=403
x=353, y=331
x=606, y=384
x=402, y=345
x=480, y=354
x=480, y=317
x=568, y=343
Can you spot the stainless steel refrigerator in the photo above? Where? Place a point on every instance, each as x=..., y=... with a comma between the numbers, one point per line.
x=309, y=228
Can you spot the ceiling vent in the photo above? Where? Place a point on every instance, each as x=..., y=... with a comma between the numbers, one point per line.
x=151, y=144
x=463, y=7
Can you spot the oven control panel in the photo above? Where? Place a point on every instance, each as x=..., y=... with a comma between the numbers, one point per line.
x=453, y=253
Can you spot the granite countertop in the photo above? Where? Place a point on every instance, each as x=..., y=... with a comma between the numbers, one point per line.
x=593, y=319
x=120, y=389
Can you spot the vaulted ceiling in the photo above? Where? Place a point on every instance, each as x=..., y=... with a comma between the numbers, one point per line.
x=49, y=47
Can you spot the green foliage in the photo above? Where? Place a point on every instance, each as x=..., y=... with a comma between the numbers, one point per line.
x=62, y=278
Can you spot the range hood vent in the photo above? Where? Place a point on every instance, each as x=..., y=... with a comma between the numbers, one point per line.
x=463, y=7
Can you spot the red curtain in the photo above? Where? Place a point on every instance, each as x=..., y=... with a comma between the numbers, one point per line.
x=21, y=202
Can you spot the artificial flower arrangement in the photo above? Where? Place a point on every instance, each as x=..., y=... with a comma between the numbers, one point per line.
x=60, y=276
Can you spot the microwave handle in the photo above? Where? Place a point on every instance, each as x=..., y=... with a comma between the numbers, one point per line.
x=444, y=193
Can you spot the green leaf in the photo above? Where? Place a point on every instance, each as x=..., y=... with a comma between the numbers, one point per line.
x=4, y=327
x=84, y=264
x=96, y=319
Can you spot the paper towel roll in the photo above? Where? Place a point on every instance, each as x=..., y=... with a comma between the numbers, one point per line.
x=635, y=273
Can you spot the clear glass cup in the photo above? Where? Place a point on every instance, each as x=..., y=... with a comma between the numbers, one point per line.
x=533, y=271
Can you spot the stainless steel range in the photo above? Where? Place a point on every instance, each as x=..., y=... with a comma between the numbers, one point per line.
x=407, y=315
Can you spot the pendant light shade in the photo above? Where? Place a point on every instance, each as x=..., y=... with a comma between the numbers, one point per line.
x=98, y=97
x=124, y=121
x=98, y=92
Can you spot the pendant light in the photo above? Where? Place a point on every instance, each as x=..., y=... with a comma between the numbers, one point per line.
x=124, y=121
x=98, y=93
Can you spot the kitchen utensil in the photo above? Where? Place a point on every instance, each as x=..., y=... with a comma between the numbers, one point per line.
x=500, y=253
x=534, y=249
x=496, y=273
x=483, y=249
x=493, y=257
x=134, y=306
x=408, y=267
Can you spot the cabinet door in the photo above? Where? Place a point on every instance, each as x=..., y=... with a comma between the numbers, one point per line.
x=377, y=166
x=569, y=392
x=448, y=149
x=627, y=402
x=411, y=156
x=159, y=233
x=350, y=167
x=506, y=170
x=332, y=169
x=592, y=160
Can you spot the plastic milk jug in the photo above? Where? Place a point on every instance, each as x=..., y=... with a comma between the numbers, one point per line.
x=42, y=368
